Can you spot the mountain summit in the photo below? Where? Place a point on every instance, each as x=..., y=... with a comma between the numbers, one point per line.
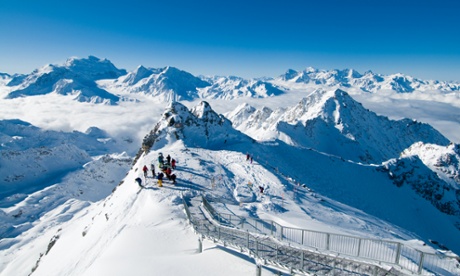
x=76, y=77
x=166, y=84
x=199, y=127
x=333, y=122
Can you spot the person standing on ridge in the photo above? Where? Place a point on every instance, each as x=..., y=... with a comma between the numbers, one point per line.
x=173, y=164
x=160, y=179
x=160, y=160
x=168, y=159
x=145, y=170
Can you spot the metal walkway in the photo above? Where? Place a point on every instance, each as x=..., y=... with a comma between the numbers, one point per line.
x=272, y=253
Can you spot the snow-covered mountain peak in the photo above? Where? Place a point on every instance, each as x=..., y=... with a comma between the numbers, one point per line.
x=201, y=126
x=76, y=77
x=310, y=70
x=204, y=110
x=132, y=78
x=353, y=74
x=444, y=160
x=331, y=121
x=241, y=113
x=94, y=68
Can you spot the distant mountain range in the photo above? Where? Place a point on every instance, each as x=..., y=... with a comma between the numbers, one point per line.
x=80, y=78
x=368, y=82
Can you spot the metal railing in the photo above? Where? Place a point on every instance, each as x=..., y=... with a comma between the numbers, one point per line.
x=284, y=257
x=389, y=252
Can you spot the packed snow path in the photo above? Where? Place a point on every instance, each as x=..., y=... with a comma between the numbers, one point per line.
x=274, y=254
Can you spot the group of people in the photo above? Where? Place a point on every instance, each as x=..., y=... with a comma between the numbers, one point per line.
x=166, y=165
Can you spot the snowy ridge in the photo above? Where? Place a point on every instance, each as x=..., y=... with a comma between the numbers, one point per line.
x=198, y=127
x=340, y=197
x=368, y=82
x=332, y=122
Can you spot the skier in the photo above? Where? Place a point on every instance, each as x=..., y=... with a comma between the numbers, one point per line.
x=160, y=179
x=168, y=172
x=173, y=164
x=160, y=160
x=168, y=159
x=261, y=189
x=145, y=170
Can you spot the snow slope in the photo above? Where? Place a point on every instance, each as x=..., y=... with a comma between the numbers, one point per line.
x=144, y=231
x=73, y=222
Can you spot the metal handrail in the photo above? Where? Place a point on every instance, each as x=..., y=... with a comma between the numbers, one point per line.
x=390, y=252
x=273, y=253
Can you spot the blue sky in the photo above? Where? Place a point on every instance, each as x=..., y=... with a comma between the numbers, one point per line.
x=248, y=38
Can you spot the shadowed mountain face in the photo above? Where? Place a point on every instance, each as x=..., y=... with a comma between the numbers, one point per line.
x=332, y=122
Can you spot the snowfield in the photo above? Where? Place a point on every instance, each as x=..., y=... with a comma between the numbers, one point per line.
x=70, y=205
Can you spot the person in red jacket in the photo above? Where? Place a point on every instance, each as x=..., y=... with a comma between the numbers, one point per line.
x=145, y=169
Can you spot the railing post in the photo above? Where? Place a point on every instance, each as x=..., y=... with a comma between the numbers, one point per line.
x=328, y=237
x=420, y=264
x=398, y=253
x=271, y=230
x=276, y=256
x=281, y=238
x=359, y=247
x=257, y=247
x=258, y=270
x=200, y=245
x=219, y=231
x=248, y=241
x=301, y=261
x=303, y=232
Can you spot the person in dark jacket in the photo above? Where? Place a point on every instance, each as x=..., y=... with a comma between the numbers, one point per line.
x=160, y=179
x=168, y=159
x=173, y=178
